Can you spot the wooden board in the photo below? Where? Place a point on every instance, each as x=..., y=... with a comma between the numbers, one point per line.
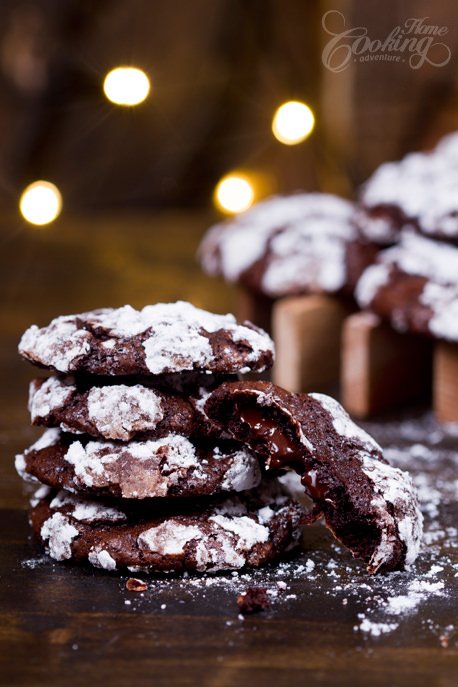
x=381, y=368
x=307, y=335
x=64, y=625
x=445, y=383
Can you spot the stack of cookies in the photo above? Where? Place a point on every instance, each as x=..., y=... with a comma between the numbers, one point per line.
x=410, y=208
x=132, y=472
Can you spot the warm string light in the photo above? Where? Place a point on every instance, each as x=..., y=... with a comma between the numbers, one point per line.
x=40, y=203
x=292, y=122
x=234, y=193
x=126, y=86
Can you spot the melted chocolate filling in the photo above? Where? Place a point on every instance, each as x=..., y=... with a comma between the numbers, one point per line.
x=314, y=488
x=283, y=450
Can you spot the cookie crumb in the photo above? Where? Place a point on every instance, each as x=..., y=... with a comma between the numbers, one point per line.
x=135, y=585
x=253, y=600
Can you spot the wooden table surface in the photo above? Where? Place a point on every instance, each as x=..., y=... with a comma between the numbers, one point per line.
x=329, y=623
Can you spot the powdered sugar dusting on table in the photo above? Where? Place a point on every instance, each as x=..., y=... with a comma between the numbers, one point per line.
x=376, y=607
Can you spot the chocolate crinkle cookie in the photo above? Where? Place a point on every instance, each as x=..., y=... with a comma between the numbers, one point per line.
x=417, y=192
x=171, y=466
x=370, y=507
x=162, y=338
x=302, y=243
x=414, y=285
x=108, y=409
x=205, y=536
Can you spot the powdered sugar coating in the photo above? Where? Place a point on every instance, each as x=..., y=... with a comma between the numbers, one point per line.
x=303, y=236
x=395, y=503
x=53, y=393
x=119, y=411
x=21, y=469
x=422, y=186
x=58, y=533
x=415, y=256
x=232, y=535
x=59, y=348
x=170, y=537
x=86, y=510
x=443, y=301
x=396, y=506
x=243, y=474
x=160, y=338
x=372, y=279
x=89, y=462
x=48, y=438
x=101, y=559
x=141, y=469
x=431, y=259
x=222, y=535
x=307, y=258
x=344, y=425
x=246, y=529
x=42, y=492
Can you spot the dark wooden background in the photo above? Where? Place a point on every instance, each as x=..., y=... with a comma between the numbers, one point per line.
x=218, y=70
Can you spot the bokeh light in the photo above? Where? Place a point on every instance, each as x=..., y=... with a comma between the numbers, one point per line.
x=126, y=86
x=234, y=193
x=292, y=122
x=40, y=203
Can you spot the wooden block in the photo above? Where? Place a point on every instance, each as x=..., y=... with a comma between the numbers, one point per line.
x=307, y=335
x=445, y=381
x=380, y=367
x=255, y=308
